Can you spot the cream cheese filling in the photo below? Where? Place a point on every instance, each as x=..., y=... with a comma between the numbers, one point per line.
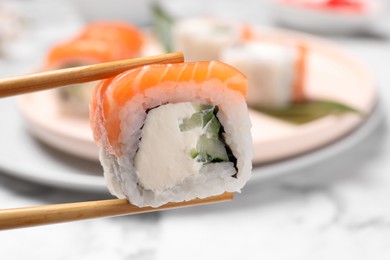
x=163, y=158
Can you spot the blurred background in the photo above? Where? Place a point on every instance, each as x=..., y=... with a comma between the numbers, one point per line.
x=318, y=76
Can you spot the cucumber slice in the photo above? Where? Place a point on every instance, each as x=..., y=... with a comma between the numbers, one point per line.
x=201, y=108
x=210, y=150
x=195, y=120
x=212, y=128
x=201, y=118
x=207, y=115
x=210, y=147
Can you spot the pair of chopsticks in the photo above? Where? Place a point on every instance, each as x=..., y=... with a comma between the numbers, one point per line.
x=57, y=213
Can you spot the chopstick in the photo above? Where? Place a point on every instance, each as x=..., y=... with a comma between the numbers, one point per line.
x=57, y=213
x=51, y=79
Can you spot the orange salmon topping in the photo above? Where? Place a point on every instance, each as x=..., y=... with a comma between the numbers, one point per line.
x=83, y=52
x=124, y=33
x=98, y=42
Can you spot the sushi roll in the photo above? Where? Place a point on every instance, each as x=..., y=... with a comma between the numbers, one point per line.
x=176, y=132
x=74, y=99
x=98, y=42
x=202, y=39
x=275, y=71
x=127, y=35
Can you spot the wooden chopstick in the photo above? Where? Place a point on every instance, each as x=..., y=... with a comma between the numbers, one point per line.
x=57, y=213
x=51, y=79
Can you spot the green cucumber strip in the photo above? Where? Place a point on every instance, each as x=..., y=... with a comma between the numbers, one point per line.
x=202, y=107
x=210, y=149
x=212, y=128
x=195, y=120
x=201, y=118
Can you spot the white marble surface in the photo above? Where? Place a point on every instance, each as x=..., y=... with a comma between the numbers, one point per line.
x=336, y=209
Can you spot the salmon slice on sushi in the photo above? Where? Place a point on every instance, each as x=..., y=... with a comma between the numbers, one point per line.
x=175, y=132
x=129, y=36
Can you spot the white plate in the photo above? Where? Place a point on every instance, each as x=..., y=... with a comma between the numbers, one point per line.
x=25, y=157
x=332, y=74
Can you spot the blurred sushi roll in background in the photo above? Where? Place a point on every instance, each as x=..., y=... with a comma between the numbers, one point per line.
x=174, y=132
x=275, y=71
x=96, y=43
x=275, y=68
x=202, y=38
x=128, y=36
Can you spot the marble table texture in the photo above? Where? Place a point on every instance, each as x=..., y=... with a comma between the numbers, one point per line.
x=336, y=209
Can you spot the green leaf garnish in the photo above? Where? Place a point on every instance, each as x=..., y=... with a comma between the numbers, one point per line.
x=305, y=112
x=162, y=24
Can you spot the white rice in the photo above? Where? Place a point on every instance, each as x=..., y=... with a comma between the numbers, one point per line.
x=270, y=69
x=214, y=178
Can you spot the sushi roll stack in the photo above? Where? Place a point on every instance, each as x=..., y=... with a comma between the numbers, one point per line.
x=96, y=43
x=275, y=71
x=174, y=132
